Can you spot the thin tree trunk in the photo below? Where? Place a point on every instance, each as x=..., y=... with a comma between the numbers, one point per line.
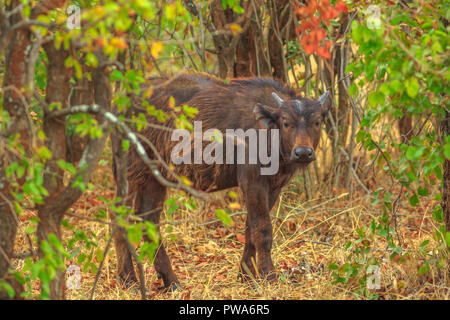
x=83, y=94
x=405, y=127
x=445, y=203
x=277, y=38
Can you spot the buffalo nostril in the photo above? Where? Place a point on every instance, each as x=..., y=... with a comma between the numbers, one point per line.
x=304, y=154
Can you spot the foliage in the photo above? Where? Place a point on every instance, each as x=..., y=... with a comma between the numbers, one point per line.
x=400, y=69
x=404, y=58
x=312, y=33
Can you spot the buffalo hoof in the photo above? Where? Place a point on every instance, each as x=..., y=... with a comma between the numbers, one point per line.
x=245, y=278
x=128, y=281
x=175, y=286
x=271, y=277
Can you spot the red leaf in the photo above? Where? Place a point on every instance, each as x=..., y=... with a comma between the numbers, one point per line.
x=308, y=44
x=311, y=7
x=240, y=237
x=341, y=6
x=301, y=12
x=318, y=35
x=323, y=52
x=315, y=21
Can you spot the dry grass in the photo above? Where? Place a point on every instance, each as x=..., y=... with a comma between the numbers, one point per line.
x=308, y=236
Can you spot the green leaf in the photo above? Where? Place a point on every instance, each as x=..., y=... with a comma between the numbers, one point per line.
x=423, y=192
x=53, y=239
x=424, y=244
x=353, y=89
x=423, y=270
x=125, y=144
x=447, y=150
x=7, y=287
x=81, y=258
x=438, y=213
x=396, y=86
x=414, y=200
x=376, y=98
x=411, y=152
x=99, y=255
x=44, y=153
x=224, y=217
x=116, y=75
x=333, y=266
x=91, y=60
x=412, y=87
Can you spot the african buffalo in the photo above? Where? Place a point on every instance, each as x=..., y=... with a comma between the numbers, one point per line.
x=251, y=103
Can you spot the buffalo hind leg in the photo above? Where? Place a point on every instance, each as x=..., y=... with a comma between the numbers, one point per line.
x=152, y=201
x=124, y=260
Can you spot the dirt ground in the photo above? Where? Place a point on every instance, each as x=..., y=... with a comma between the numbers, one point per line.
x=308, y=237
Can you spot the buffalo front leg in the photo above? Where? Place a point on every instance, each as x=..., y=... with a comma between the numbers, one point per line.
x=248, y=261
x=151, y=206
x=259, y=229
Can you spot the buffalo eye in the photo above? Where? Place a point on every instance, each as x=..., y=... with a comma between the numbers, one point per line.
x=317, y=124
x=285, y=123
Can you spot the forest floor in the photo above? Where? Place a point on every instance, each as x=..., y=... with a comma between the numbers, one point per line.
x=308, y=237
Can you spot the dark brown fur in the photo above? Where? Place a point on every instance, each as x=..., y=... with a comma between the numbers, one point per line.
x=241, y=103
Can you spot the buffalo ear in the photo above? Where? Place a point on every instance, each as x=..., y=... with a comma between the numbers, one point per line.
x=325, y=103
x=265, y=118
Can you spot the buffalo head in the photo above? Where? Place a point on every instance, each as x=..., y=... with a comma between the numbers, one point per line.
x=299, y=121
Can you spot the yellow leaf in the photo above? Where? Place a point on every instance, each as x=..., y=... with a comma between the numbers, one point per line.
x=171, y=102
x=235, y=29
x=148, y=93
x=234, y=205
x=186, y=181
x=156, y=49
x=232, y=194
x=118, y=43
x=171, y=12
x=60, y=19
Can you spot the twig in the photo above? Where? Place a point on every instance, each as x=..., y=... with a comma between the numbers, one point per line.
x=218, y=220
x=355, y=174
x=99, y=271
x=317, y=242
x=138, y=263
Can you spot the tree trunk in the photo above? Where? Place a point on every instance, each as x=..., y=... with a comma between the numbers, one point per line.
x=405, y=127
x=250, y=58
x=83, y=94
x=336, y=68
x=280, y=32
x=239, y=55
x=16, y=63
x=58, y=77
x=445, y=131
